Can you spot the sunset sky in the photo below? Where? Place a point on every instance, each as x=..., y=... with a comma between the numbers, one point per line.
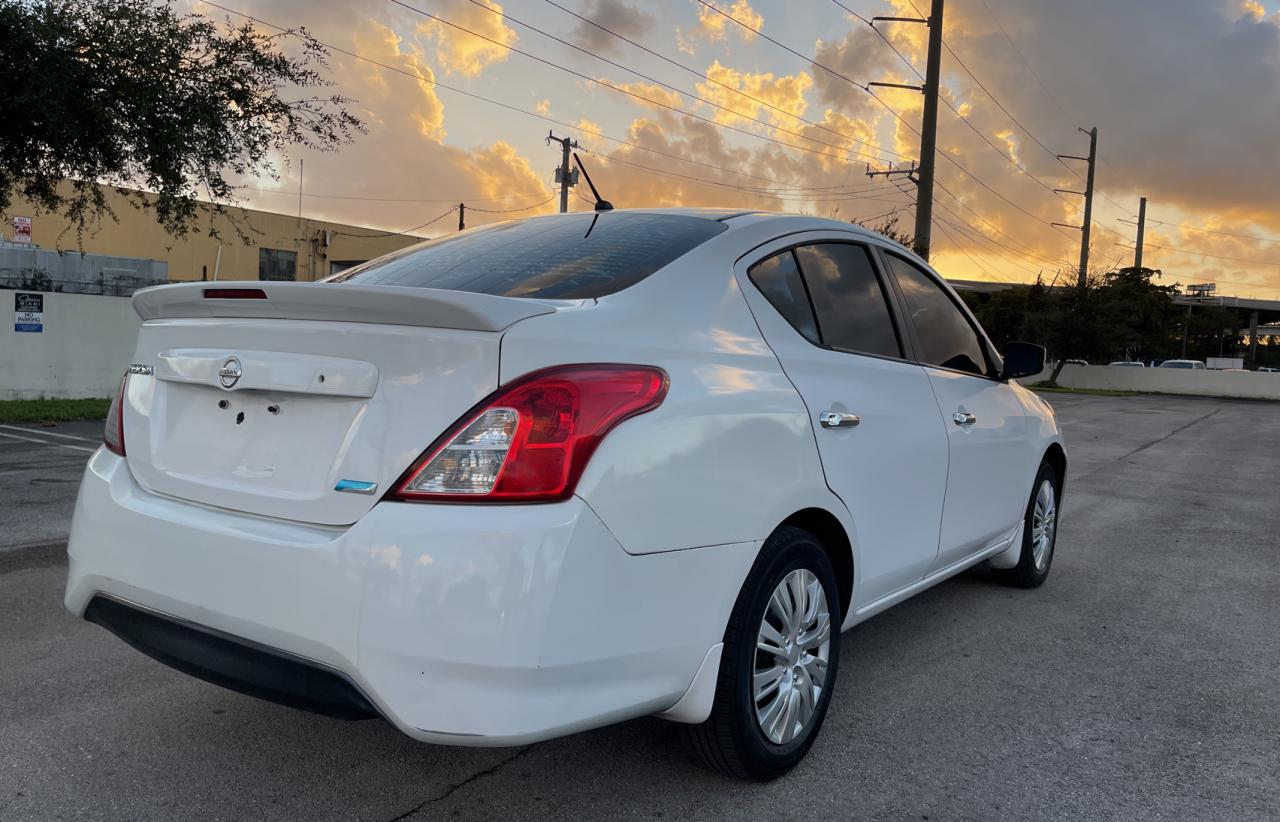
x=1185, y=94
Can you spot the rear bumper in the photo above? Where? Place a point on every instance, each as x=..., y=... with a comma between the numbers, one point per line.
x=479, y=625
x=232, y=662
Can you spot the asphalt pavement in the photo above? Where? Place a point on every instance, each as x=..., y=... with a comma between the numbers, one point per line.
x=1142, y=682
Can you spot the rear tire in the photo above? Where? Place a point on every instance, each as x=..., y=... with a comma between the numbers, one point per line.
x=762, y=739
x=1039, y=533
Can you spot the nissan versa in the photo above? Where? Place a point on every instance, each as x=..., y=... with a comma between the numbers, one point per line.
x=555, y=473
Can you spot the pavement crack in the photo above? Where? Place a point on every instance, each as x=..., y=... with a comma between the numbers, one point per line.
x=457, y=786
x=1156, y=441
x=1177, y=430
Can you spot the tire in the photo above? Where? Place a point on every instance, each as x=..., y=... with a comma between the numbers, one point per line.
x=733, y=740
x=1033, y=565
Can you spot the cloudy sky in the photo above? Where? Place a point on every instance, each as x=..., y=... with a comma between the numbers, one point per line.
x=760, y=105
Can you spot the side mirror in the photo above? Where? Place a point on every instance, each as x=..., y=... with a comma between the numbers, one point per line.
x=1022, y=360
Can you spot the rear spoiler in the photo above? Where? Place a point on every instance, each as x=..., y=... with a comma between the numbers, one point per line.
x=391, y=305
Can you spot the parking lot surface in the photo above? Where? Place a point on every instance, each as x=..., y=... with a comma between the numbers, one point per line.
x=1141, y=682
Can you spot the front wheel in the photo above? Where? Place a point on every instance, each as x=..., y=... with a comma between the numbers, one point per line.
x=1039, y=532
x=781, y=652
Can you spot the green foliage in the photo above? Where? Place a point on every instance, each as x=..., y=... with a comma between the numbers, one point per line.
x=52, y=410
x=133, y=93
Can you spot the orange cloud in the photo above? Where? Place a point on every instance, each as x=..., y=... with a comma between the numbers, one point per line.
x=462, y=53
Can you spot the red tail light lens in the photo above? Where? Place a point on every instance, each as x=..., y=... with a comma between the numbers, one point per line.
x=113, y=431
x=531, y=440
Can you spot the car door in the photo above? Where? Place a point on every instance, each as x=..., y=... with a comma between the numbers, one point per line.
x=822, y=307
x=987, y=426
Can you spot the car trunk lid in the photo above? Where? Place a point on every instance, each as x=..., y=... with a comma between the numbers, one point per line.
x=304, y=403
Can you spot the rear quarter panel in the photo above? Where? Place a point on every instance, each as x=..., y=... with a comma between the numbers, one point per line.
x=730, y=452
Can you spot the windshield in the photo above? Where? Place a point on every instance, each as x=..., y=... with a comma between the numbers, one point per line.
x=573, y=256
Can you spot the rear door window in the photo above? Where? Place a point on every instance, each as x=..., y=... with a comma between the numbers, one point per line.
x=853, y=312
x=573, y=256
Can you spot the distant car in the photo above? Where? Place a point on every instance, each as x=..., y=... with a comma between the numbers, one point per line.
x=1077, y=362
x=1121, y=364
x=1194, y=364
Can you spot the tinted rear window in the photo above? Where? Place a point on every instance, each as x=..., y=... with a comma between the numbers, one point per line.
x=574, y=256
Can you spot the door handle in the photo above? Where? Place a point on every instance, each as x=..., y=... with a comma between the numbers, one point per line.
x=837, y=419
x=963, y=418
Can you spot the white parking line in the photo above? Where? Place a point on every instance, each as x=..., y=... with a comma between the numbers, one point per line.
x=49, y=433
x=47, y=442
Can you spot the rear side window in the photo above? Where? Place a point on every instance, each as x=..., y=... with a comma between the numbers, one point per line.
x=946, y=338
x=778, y=278
x=852, y=310
x=574, y=256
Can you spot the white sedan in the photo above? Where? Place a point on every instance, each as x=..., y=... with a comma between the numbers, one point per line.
x=556, y=473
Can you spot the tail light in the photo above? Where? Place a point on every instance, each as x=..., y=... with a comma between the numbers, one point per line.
x=531, y=440
x=113, y=431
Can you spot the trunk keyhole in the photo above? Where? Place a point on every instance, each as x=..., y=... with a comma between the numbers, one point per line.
x=223, y=404
x=273, y=409
x=239, y=418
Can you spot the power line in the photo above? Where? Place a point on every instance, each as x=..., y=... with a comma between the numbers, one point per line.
x=875, y=97
x=641, y=97
x=966, y=253
x=1254, y=237
x=710, y=79
x=380, y=199
x=506, y=16
x=435, y=83
x=511, y=210
x=995, y=19
x=450, y=210
x=865, y=194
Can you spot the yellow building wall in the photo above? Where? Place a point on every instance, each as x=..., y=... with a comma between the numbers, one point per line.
x=196, y=255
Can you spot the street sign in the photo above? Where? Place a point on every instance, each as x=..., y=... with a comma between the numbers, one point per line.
x=28, y=312
x=22, y=230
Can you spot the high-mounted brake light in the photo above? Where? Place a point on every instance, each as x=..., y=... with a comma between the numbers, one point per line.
x=113, y=431
x=234, y=294
x=531, y=440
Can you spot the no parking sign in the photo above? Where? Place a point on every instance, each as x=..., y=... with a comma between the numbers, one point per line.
x=28, y=312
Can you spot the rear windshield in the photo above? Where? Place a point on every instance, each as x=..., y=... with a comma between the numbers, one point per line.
x=574, y=256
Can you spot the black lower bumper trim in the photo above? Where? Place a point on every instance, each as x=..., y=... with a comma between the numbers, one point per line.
x=231, y=662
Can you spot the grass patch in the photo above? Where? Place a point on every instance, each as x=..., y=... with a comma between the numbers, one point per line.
x=38, y=411
x=1100, y=392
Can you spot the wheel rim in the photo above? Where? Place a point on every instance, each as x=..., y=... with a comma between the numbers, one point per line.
x=1044, y=520
x=792, y=650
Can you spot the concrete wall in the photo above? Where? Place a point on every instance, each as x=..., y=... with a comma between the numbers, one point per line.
x=76, y=273
x=1243, y=384
x=86, y=345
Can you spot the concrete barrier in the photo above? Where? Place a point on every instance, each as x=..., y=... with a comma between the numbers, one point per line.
x=83, y=349
x=1242, y=384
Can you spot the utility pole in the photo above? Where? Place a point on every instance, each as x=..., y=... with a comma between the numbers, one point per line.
x=1087, y=194
x=564, y=176
x=922, y=175
x=1142, y=230
x=462, y=216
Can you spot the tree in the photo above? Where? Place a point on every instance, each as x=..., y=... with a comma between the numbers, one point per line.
x=1145, y=312
x=131, y=93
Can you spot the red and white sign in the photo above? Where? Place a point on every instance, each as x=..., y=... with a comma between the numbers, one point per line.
x=22, y=229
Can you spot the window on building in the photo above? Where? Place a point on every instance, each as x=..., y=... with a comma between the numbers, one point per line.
x=275, y=264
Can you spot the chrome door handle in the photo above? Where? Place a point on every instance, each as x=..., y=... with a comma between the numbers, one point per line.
x=837, y=419
x=963, y=418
